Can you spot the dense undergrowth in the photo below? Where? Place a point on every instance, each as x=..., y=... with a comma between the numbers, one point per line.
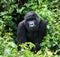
x=11, y=15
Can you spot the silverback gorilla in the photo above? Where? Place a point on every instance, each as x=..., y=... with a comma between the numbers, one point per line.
x=31, y=29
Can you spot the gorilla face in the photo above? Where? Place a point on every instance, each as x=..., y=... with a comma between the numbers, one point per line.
x=31, y=21
x=32, y=25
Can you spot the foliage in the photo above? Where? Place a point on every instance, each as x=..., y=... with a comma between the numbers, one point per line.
x=11, y=14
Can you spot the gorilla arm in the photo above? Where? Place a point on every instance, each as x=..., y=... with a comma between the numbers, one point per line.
x=42, y=33
x=43, y=28
x=21, y=37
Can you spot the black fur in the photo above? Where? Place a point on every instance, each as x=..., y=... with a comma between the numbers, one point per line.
x=36, y=37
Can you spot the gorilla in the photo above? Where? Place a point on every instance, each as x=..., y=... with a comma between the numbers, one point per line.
x=31, y=29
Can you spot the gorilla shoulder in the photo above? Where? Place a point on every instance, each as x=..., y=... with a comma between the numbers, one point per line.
x=21, y=23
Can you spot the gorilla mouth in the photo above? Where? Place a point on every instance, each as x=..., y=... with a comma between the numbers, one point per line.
x=31, y=25
x=33, y=28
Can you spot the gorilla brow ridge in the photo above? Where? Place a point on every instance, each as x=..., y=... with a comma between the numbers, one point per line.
x=29, y=15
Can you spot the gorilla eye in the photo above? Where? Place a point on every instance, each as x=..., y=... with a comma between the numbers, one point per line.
x=30, y=19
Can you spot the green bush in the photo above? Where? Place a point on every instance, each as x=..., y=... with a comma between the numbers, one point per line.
x=45, y=9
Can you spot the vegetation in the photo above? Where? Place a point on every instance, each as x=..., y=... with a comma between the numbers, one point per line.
x=11, y=15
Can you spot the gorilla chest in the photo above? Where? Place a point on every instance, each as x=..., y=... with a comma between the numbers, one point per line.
x=32, y=35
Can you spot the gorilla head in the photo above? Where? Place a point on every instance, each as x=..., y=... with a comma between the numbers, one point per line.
x=31, y=21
